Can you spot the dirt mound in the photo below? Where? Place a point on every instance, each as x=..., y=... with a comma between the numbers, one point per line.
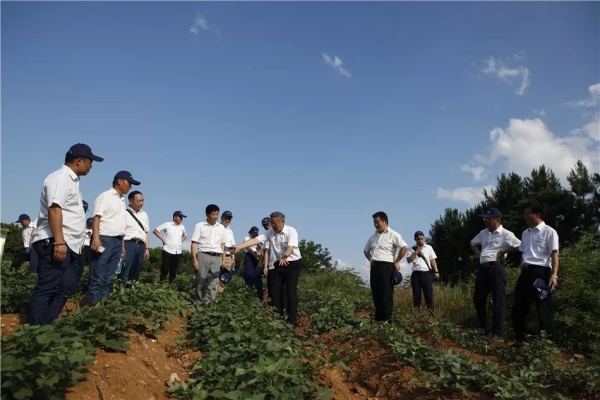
x=10, y=322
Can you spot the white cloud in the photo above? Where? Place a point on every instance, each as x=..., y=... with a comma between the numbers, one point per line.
x=592, y=100
x=336, y=63
x=479, y=172
x=592, y=129
x=469, y=195
x=199, y=23
x=497, y=68
x=541, y=112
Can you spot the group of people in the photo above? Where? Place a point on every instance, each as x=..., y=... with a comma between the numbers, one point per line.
x=539, y=270
x=61, y=240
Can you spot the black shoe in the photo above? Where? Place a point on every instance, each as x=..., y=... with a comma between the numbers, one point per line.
x=483, y=332
x=495, y=338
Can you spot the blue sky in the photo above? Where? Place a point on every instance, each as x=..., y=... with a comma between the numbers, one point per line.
x=246, y=105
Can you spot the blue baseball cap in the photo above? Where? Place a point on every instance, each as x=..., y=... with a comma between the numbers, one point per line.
x=224, y=276
x=23, y=217
x=396, y=277
x=89, y=221
x=254, y=229
x=491, y=213
x=85, y=205
x=419, y=233
x=542, y=291
x=265, y=221
x=81, y=150
x=227, y=214
x=179, y=214
x=127, y=176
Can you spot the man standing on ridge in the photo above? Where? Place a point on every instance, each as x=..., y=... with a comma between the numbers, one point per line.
x=380, y=250
x=137, y=238
x=108, y=230
x=269, y=261
x=228, y=256
x=57, y=242
x=424, y=271
x=174, y=235
x=28, y=228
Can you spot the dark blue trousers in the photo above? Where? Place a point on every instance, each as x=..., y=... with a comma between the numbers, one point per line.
x=56, y=283
x=103, y=268
x=134, y=260
x=252, y=277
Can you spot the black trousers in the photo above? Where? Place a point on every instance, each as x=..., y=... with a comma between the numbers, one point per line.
x=170, y=264
x=84, y=259
x=525, y=295
x=491, y=277
x=19, y=259
x=284, y=295
x=382, y=289
x=286, y=275
x=422, y=281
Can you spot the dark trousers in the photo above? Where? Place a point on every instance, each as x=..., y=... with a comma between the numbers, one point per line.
x=491, y=277
x=284, y=295
x=252, y=276
x=170, y=263
x=103, y=268
x=525, y=295
x=20, y=258
x=382, y=289
x=56, y=283
x=84, y=259
x=134, y=261
x=286, y=275
x=422, y=281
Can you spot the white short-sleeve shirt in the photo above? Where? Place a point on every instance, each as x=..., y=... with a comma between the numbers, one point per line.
x=419, y=264
x=538, y=244
x=62, y=188
x=272, y=258
x=384, y=246
x=26, y=233
x=492, y=242
x=229, y=239
x=110, y=207
x=279, y=242
x=209, y=237
x=172, y=234
x=133, y=230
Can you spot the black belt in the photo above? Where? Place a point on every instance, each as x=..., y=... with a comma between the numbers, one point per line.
x=527, y=266
x=211, y=253
x=136, y=241
x=489, y=264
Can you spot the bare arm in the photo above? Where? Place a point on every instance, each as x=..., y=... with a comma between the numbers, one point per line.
x=401, y=253
x=414, y=255
x=223, y=255
x=367, y=255
x=157, y=234
x=55, y=220
x=554, y=260
x=246, y=244
x=476, y=250
x=435, y=266
x=33, y=231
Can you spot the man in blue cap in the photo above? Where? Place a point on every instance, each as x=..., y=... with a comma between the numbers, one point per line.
x=57, y=241
x=252, y=274
x=28, y=228
x=108, y=231
x=424, y=271
x=495, y=242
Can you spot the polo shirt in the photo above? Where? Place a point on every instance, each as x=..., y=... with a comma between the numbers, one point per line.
x=279, y=242
x=209, y=237
x=492, y=242
x=384, y=246
x=538, y=244
x=110, y=207
x=172, y=234
x=419, y=264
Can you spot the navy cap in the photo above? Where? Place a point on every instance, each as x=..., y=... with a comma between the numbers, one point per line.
x=81, y=150
x=254, y=229
x=224, y=276
x=179, y=214
x=89, y=221
x=265, y=221
x=492, y=213
x=127, y=176
x=396, y=277
x=542, y=291
x=419, y=233
x=227, y=214
x=85, y=205
x=23, y=217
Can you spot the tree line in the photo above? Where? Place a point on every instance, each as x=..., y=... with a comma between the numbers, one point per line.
x=572, y=211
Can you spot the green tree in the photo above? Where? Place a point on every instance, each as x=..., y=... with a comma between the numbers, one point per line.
x=14, y=241
x=314, y=256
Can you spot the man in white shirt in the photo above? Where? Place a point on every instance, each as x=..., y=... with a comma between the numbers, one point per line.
x=26, y=235
x=108, y=230
x=173, y=234
x=283, y=243
x=252, y=274
x=381, y=250
x=268, y=262
x=229, y=257
x=208, y=253
x=57, y=241
x=539, y=246
x=136, y=238
x=495, y=242
x=82, y=260
x=424, y=271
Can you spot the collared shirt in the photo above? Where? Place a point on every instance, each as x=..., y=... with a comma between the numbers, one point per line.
x=133, y=230
x=172, y=234
x=110, y=207
x=279, y=242
x=538, y=244
x=384, y=246
x=26, y=233
x=62, y=188
x=419, y=264
x=272, y=257
x=254, y=248
x=229, y=239
x=492, y=242
x=209, y=237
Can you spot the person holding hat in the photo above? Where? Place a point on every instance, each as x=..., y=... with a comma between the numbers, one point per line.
x=229, y=257
x=27, y=231
x=381, y=250
x=424, y=271
x=539, y=263
x=108, y=230
x=57, y=241
x=173, y=235
x=495, y=242
x=268, y=262
x=82, y=260
x=252, y=274
x=208, y=253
